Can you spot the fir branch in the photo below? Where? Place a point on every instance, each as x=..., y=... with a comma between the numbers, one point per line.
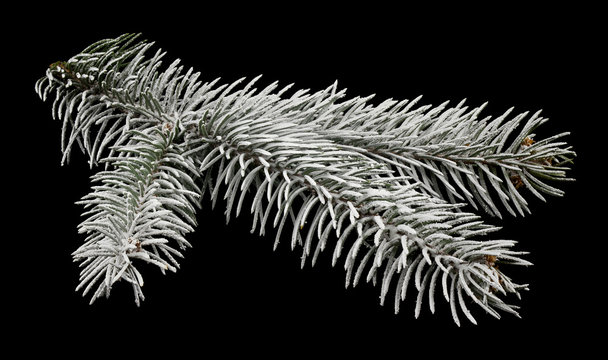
x=140, y=207
x=450, y=151
x=383, y=183
x=394, y=223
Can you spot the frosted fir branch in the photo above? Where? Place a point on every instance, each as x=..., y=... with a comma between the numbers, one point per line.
x=367, y=178
x=394, y=223
x=119, y=91
x=453, y=153
x=140, y=209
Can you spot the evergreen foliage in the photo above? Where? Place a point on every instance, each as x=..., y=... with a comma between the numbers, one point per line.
x=382, y=187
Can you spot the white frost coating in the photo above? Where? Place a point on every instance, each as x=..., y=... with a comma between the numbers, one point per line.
x=286, y=192
x=425, y=254
x=404, y=210
x=267, y=174
x=404, y=244
x=242, y=161
x=317, y=138
x=378, y=237
x=407, y=229
x=330, y=207
x=379, y=222
x=287, y=179
x=325, y=192
x=353, y=210
x=310, y=181
x=263, y=161
x=378, y=193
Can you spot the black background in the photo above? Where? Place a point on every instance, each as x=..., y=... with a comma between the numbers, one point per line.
x=233, y=293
